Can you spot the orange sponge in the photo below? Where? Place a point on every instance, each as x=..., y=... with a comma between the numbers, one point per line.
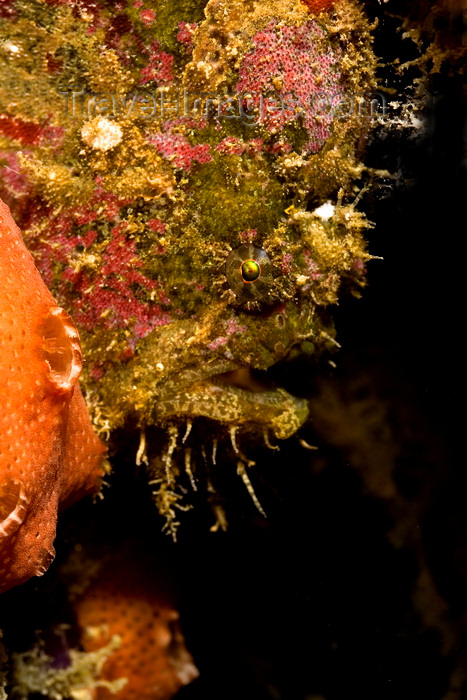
x=49, y=453
x=126, y=600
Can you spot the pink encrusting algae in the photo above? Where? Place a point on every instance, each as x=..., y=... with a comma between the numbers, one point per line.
x=159, y=67
x=185, y=34
x=179, y=151
x=271, y=70
x=108, y=298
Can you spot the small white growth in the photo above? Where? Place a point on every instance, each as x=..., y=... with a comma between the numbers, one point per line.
x=301, y=280
x=101, y=133
x=406, y=114
x=325, y=211
x=9, y=46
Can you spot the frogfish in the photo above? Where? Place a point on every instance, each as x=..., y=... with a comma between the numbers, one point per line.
x=188, y=176
x=49, y=453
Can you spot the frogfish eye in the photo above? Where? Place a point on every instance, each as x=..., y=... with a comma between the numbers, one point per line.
x=249, y=273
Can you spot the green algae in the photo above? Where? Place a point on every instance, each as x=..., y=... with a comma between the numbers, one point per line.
x=243, y=188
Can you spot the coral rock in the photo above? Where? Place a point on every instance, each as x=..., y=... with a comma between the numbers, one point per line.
x=49, y=454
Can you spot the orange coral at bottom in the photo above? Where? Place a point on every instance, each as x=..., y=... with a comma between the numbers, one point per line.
x=126, y=600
